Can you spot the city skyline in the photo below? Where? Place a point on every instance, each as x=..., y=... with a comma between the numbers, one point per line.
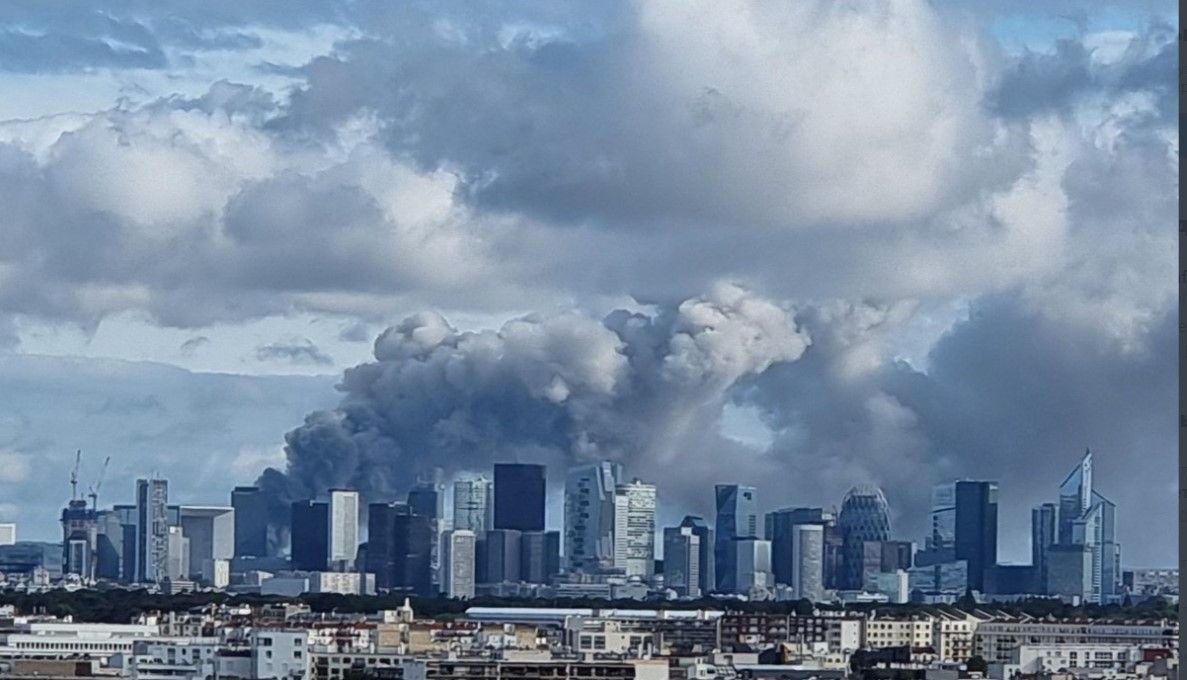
x=346, y=243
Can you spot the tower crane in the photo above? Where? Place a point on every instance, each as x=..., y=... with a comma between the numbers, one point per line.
x=74, y=475
x=94, y=494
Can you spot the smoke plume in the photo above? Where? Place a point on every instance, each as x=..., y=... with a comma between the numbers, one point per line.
x=643, y=389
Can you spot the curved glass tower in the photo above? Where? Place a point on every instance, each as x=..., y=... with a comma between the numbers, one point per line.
x=864, y=516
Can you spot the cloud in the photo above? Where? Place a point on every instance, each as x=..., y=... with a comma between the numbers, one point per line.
x=297, y=351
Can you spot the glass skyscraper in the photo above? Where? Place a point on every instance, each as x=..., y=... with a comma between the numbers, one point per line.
x=864, y=517
x=1089, y=556
x=589, y=515
x=964, y=527
x=519, y=496
x=737, y=519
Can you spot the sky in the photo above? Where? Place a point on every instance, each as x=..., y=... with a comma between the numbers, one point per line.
x=802, y=246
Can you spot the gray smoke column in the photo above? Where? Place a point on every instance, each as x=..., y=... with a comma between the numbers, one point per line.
x=644, y=389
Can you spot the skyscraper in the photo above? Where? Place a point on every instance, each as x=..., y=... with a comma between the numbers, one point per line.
x=426, y=500
x=1042, y=537
x=309, y=532
x=780, y=531
x=344, y=529
x=634, y=529
x=706, y=567
x=964, y=526
x=457, y=561
x=152, y=530
x=519, y=496
x=499, y=554
x=399, y=547
x=589, y=515
x=539, y=556
x=1087, y=527
x=80, y=539
x=864, y=516
x=737, y=518
x=682, y=560
x=251, y=521
x=210, y=531
x=751, y=566
x=473, y=504
x=807, y=572
x=1075, y=497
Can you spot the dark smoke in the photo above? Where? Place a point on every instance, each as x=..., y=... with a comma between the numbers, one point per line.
x=644, y=389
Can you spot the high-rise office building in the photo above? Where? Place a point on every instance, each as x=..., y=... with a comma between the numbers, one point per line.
x=210, y=531
x=519, y=497
x=1042, y=537
x=473, y=504
x=458, y=562
x=177, y=565
x=309, y=532
x=751, y=565
x=498, y=556
x=737, y=518
x=152, y=530
x=427, y=500
x=780, y=531
x=897, y=556
x=682, y=560
x=344, y=529
x=1087, y=526
x=634, y=529
x=80, y=538
x=589, y=516
x=251, y=521
x=964, y=527
x=7, y=533
x=707, y=567
x=539, y=556
x=116, y=538
x=399, y=549
x=864, y=517
x=807, y=569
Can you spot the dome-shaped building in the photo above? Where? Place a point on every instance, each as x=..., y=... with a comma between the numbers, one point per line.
x=864, y=516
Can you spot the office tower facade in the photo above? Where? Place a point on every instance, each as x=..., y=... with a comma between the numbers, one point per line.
x=1087, y=526
x=964, y=527
x=210, y=531
x=539, y=556
x=737, y=518
x=399, y=549
x=519, y=497
x=634, y=529
x=458, y=563
x=751, y=565
x=343, y=538
x=807, y=573
x=116, y=530
x=780, y=528
x=707, y=566
x=178, y=562
x=1075, y=497
x=309, y=532
x=682, y=561
x=7, y=533
x=1042, y=537
x=427, y=500
x=473, y=504
x=589, y=516
x=864, y=517
x=499, y=554
x=897, y=556
x=251, y=521
x=152, y=530
x=80, y=536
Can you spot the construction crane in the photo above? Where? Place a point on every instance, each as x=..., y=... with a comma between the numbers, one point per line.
x=94, y=494
x=74, y=476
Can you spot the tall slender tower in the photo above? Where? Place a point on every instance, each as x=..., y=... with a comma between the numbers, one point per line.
x=589, y=516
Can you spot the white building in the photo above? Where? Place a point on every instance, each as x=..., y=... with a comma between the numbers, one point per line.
x=752, y=565
x=344, y=528
x=807, y=565
x=210, y=530
x=995, y=641
x=280, y=654
x=892, y=632
x=7, y=533
x=895, y=585
x=634, y=529
x=473, y=506
x=590, y=516
x=457, y=563
x=54, y=640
